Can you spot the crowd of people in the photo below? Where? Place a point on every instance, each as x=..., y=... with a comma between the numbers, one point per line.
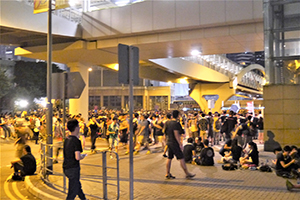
x=200, y=131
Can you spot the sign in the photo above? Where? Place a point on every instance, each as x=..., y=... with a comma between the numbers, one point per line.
x=74, y=85
x=60, y=4
x=40, y=6
x=250, y=106
x=128, y=56
x=211, y=104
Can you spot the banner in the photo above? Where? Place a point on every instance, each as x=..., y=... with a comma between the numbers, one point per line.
x=40, y=6
x=60, y=4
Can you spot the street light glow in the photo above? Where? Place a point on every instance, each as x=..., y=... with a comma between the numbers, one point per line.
x=22, y=103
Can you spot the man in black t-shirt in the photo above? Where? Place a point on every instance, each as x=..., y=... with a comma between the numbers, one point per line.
x=284, y=163
x=26, y=164
x=174, y=131
x=207, y=154
x=229, y=125
x=198, y=145
x=189, y=151
x=72, y=156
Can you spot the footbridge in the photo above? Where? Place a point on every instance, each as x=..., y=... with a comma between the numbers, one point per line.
x=165, y=32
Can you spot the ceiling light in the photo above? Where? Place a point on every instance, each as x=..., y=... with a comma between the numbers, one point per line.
x=195, y=52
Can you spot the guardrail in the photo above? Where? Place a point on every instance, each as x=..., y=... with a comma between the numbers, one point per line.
x=45, y=171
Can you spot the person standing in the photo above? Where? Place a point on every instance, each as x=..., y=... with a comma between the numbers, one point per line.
x=174, y=131
x=72, y=156
x=94, y=127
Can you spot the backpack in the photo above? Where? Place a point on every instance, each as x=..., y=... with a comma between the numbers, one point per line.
x=265, y=168
x=218, y=124
x=229, y=166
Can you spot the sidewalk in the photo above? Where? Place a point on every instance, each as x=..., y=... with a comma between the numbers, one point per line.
x=210, y=183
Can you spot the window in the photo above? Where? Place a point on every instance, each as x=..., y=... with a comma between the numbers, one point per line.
x=112, y=102
x=137, y=102
x=93, y=102
x=158, y=102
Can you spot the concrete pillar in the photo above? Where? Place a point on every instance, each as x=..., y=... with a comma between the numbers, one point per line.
x=282, y=116
x=80, y=105
x=222, y=89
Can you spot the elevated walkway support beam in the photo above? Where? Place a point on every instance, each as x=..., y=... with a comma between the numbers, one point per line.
x=80, y=105
x=223, y=90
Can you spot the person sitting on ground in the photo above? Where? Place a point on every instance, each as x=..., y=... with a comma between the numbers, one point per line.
x=252, y=156
x=206, y=157
x=226, y=147
x=276, y=151
x=284, y=163
x=234, y=155
x=198, y=145
x=295, y=155
x=290, y=186
x=189, y=151
x=26, y=164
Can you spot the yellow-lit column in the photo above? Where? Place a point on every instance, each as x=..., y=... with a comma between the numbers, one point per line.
x=222, y=89
x=80, y=105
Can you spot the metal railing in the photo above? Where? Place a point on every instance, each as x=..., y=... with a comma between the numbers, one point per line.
x=45, y=171
x=229, y=68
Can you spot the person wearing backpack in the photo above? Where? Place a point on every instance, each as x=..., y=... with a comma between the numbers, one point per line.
x=206, y=157
x=229, y=125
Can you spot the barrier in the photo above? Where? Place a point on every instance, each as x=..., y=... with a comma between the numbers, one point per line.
x=45, y=171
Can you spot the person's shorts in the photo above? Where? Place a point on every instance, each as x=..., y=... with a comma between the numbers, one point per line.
x=174, y=150
x=124, y=138
x=113, y=142
x=140, y=139
x=159, y=138
x=203, y=134
x=210, y=134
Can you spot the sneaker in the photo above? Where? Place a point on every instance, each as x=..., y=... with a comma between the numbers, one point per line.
x=136, y=152
x=148, y=152
x=289, y=185
x=164, y=155
x=190, y=176
x=169, y=176
x=93, y=151
x=126, y=153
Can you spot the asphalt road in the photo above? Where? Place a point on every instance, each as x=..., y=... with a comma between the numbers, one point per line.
x=12, y=189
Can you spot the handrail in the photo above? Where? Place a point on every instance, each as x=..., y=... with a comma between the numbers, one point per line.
x=44, y=172
x=226, y=66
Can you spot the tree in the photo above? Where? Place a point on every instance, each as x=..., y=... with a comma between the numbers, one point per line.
x=30, y=79
x=5, y=83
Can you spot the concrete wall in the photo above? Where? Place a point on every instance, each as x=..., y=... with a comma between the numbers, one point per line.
x=153, y=16
x=282, y=115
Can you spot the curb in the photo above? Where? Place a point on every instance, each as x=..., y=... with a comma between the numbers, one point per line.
x=39, y=193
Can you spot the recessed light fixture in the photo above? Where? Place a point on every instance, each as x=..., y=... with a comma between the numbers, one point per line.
x=195, y=52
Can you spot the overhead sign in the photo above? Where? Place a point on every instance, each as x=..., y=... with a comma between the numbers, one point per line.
x=40, y=6
x=74, y=85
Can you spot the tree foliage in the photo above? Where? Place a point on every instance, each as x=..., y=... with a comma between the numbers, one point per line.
x=5, y=83
x=31, y=79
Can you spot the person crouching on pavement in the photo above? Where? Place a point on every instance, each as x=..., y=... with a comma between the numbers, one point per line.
x=26, y=165
x=72, y=156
